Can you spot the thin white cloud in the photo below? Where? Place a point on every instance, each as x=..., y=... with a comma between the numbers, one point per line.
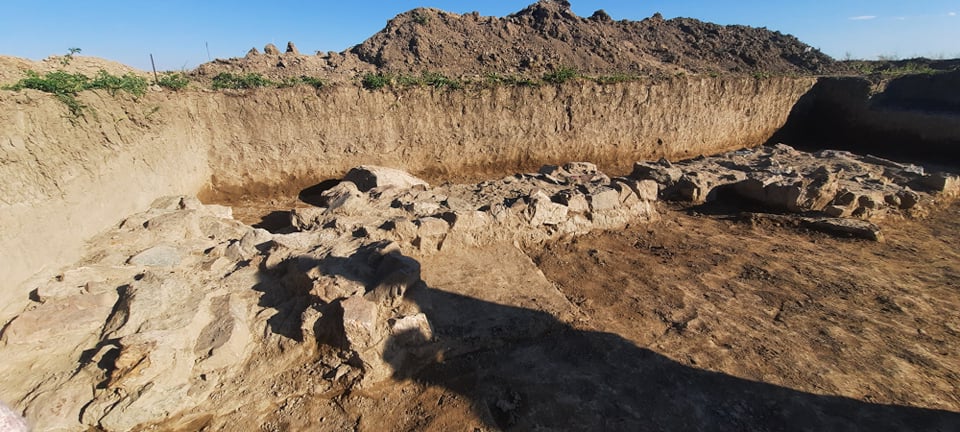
x=951, y=14
x=863, y=17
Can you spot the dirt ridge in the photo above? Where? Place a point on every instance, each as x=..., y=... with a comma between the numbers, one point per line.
x=544, y=36
x=548, y=35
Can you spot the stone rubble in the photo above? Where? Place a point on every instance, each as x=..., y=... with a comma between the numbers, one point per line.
x=835, y=183
x=178, y=301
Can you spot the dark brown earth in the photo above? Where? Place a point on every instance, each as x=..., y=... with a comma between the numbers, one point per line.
x=545, y=36
x=548, y=35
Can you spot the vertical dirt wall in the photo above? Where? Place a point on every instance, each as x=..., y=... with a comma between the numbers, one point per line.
x=290, y=139
x=64, y=179
x=912, y=118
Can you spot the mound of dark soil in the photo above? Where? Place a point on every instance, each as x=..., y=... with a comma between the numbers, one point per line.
x=545, y=36
x=549, y=35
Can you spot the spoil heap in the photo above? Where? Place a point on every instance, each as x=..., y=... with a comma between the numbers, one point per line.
x=544, y=36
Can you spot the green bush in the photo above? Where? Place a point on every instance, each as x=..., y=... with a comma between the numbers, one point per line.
x=52, y=82
x=375, y=81
x=421, y=18
x=227, y=80
x=302, y=80
x=616, y=78
x=438, y=80
x=129, y=83
x=561, y=75
x=65, y=86
x=314, y=82
x=173, y=81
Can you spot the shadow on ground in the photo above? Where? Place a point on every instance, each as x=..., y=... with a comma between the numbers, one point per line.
x=540, y=374
x=522, y=369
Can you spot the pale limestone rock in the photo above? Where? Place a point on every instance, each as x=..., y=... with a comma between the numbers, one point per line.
x=11, y=421
x=604, y=199
x=576, y=202
x=368, y=177
x=59, y=409
x=360, y=322
x=61, y=322
x=413, y=329
x=431, y=232
x=662, y=173
x=543, y=211
x=692, y=186
x=647, y=190
x=345, y=199
x=175, y=225
x=308, y=218
x=163, y=255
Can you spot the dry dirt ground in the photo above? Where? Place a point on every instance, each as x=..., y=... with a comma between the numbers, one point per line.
x=701, y=321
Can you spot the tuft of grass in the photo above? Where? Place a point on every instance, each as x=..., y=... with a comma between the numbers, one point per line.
x=439, y=80
x=561, y=75
x=379, y=80
x=421, y=18
x=891, y=69
x=616, y=78
x=494, y=78
x=227, y=80
x=376, y=81
x=173, y=81
x=406, y=80
x=314, y=82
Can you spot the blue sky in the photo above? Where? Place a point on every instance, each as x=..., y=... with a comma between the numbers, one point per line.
x=179, y=32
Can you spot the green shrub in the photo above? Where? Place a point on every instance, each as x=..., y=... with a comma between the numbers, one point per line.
x=173, y=81
x=421, y=18
x=438, y=80
x=560, y=75
x=68, y=57
x=129, y=83
x=314, y=82
x=65, y=86
x=494, y=78
x=56, y=82
x=615, y=78
x=407, y=80
x=375, y=81
x=227, y=80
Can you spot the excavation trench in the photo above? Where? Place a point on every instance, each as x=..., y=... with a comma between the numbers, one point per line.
x=259, y=149
x=445, y=258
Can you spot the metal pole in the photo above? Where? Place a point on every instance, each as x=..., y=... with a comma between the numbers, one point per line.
x=156, y=79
